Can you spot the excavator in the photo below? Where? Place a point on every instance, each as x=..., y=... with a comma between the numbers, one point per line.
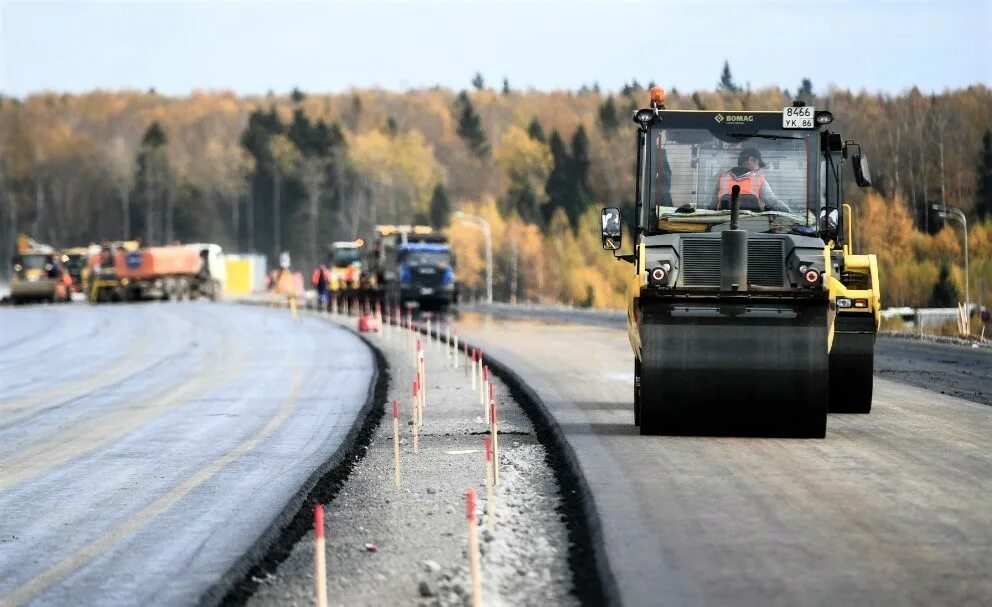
x=748, y=312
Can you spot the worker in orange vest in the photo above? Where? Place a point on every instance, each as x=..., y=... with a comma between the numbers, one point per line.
x=756, y=194
x=321, y=281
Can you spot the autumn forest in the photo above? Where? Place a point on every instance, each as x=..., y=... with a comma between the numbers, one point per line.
x=296, y=171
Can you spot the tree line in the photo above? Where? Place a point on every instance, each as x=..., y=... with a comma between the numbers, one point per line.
x=298, y=171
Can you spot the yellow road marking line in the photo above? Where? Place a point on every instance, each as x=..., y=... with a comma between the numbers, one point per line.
x=31, y=589
x=115, y=424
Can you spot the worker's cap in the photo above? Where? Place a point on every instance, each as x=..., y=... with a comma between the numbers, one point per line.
x=750, y=153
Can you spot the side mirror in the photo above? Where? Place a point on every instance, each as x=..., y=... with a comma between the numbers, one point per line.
x=829, y=218
x=862, y=176
x=612, y=234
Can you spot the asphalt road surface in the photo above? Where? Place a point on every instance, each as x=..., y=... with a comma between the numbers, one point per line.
x=891, y=508
x=957, y=370
x=145, y=448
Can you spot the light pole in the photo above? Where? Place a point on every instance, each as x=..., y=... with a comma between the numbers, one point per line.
x=483, y=225
x=946, y=212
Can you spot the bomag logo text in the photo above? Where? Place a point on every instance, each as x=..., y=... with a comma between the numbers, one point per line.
x=734, y=118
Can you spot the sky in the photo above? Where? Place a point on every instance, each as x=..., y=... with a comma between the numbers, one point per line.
x=253, y=47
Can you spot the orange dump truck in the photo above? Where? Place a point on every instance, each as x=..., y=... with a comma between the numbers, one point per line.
x=173, y=272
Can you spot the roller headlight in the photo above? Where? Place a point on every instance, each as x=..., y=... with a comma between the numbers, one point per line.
x=657, y=276
x=844, y=302
x=666, y=266
x=643, y=117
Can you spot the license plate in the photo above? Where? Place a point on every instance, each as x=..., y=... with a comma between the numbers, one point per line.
x=798, y=117
x=426, y=291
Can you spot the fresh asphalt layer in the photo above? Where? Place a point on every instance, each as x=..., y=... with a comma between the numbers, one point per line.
x=890, y=508
x=946, y=368
x=145, y=449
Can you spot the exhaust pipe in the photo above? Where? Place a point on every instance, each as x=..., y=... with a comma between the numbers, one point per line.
x=733, y=250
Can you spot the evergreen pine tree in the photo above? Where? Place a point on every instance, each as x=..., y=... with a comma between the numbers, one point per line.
x=440, y=207
x=150, y=183
x=557, y=187
x=609, y=120
x=300, y=132
x=535, y=131
x=470, y=126
x=527, y=204
x=297, y=95
x=154, y=137
x=506, y=86
x=945, y=294
x=805, y=91
x=579, y=199
x=983, y=190
x=478, y=82
x=727, y=84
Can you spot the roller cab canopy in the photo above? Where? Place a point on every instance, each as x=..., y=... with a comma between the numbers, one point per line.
x=690, y=159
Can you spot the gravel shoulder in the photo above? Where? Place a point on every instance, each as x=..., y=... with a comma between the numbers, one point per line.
x=409, y=546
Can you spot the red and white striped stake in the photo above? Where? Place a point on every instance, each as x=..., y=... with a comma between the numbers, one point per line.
x=473, y=549
x=423, y=387
x=409, y=334
x=320, y=555
x=491, y=397
x=494, y=430
x=378, y=318
x=467, y=360
x=427, y=316
x=396, y=441
x=482, y=391
x=490, y=500
x=447, y=342
x=416, y=418
x=475, y=364
x=454, y=349
x=479, y=372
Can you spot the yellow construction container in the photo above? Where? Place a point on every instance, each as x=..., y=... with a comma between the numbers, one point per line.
x=239, y=276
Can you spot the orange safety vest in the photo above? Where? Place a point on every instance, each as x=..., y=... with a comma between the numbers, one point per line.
x=284, y=283
x=750, y=184
x=315, y=279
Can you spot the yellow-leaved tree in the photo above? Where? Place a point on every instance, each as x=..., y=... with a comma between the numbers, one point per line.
x=399, y=171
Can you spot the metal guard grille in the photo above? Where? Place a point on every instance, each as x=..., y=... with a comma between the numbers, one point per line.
x=701, y=262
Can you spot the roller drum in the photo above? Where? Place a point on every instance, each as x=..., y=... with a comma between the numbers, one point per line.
x=741, y=369
x=852, y=362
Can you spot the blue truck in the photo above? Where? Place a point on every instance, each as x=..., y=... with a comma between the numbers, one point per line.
x=414, y=267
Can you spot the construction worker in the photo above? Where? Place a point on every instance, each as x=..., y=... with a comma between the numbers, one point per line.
x=283, y=283
x=755, y=193
x=321, y=281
